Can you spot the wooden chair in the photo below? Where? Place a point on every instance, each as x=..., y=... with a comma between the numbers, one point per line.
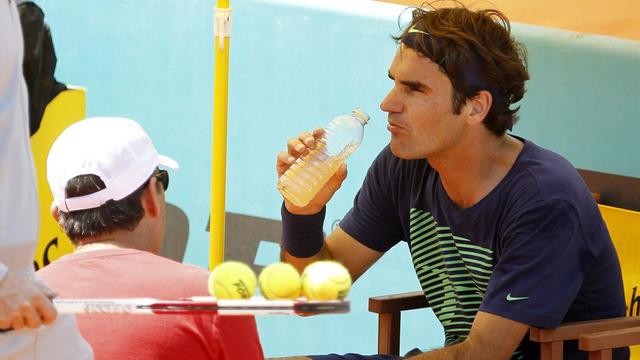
x=389, y=310
x=598, y=337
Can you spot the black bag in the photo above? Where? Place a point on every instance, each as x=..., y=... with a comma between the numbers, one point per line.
x=39, y=62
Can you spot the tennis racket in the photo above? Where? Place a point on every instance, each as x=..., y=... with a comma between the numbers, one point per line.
x=199, y=305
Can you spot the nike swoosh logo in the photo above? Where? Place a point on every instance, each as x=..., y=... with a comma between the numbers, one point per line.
x=516, y=298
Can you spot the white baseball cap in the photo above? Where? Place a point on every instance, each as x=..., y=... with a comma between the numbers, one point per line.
x=115, y=149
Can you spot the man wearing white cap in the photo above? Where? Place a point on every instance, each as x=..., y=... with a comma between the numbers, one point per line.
x=24, y=303
x=109, y=198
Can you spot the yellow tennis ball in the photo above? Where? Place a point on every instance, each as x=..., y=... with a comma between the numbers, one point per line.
x=325, y=280
x=232, y=280
x=280, y=281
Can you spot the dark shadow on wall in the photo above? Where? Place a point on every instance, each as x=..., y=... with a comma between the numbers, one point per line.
x=176, y=234
x=243, y=234
x=614, y=190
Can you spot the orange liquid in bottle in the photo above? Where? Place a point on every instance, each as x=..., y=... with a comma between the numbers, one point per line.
x=310, y=172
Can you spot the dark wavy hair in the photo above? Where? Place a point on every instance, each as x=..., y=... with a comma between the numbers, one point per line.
x=459, y=38
x=123, y=214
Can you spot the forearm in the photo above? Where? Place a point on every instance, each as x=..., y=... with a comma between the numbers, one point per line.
x=492, y=337
x=454, y=352
x=465, y=350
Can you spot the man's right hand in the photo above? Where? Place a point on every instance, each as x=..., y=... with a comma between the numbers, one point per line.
x=296, y=147
x=25, y=303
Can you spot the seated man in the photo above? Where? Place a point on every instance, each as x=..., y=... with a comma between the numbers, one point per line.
x=109, y=199
x=503, y=234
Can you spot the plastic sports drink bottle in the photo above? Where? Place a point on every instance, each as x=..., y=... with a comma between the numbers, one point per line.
x=311, y=171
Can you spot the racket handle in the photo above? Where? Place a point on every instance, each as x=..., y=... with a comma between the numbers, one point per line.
x=102, y=306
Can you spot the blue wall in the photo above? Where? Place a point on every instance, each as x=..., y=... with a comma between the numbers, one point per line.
x=294, y=66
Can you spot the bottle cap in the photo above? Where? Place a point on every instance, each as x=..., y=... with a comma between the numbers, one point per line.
x=360, y=114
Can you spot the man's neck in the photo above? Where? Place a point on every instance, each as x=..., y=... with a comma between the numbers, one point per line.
x=96, y=246
x=117, y=240
x=475, y=169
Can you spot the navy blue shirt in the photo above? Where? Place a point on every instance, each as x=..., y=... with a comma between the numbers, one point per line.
x=534, y=250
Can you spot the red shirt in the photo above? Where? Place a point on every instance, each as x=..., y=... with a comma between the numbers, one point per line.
x=122, y=273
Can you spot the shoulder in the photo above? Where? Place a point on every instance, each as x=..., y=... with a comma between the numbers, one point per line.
x=544, y=185
x=178, y=279
x=61, y=265
x=178, y=269
x=541, y=175
x=151, y=268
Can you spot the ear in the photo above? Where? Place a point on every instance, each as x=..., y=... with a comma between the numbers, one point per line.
x=151, y=198
x=55, y=212
x=478, y=107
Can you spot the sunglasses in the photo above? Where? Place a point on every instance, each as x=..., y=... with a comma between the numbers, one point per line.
x=163, y=178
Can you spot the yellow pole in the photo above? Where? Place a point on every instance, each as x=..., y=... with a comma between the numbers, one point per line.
x=222, y=23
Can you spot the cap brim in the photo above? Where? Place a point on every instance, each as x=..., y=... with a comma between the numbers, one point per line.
x=167, y=162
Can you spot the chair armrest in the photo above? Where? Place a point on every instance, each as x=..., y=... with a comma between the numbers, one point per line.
x=398, y=302
x=599, y=344
x=551, y=339
x=388, y=308
x=572, y=331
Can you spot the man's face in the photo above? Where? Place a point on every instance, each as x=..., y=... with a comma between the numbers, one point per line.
x=421, y=119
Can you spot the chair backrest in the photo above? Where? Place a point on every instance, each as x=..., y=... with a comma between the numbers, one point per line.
x=624, y=228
